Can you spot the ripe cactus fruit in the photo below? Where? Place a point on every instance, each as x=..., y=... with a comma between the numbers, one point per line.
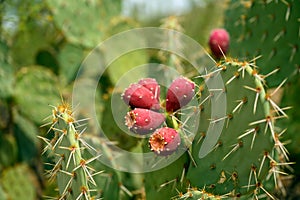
x=164, y=141
x=219, y=42
x=143, y=121
x=138, y=96
x=152, y=85
x=179, y=94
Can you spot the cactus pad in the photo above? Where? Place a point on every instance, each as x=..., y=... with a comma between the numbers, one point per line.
x=35, y=88
x=19, y=182
x=246, y=153
x=269, y=29
x=83, y=22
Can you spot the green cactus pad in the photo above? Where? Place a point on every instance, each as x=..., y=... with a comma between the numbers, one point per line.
x=83, y=22
x=290, y=97
x=19, y=183
x=29, y=41
x=109, y=181
x=125, y=64
x=245, y=154
x=166, y=182
x=35, y=88
x=6, y=73
x=269, y=29
x=70, y=58
x=25, y=133
x=8, y=150
x=3, y=194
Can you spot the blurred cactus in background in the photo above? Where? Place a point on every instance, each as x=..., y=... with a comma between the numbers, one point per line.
x=246, y=150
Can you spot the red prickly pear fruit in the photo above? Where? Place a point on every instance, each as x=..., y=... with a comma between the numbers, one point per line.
x=164, y=141
x=179, y=94
x=143, y=121
x=219, y=42
x=138, y=96
x=152, y=85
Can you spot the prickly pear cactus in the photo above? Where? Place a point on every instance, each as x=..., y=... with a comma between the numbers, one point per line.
x=248, y=152
x=269, y=29
x=19, y=182
x=78, y=173
x=73, y=173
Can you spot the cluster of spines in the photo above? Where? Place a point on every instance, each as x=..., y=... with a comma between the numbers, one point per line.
x=276, y=159
x=194, y=193
x=72, y=171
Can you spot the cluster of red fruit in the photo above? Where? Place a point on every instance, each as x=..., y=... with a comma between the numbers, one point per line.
x=147, y=114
